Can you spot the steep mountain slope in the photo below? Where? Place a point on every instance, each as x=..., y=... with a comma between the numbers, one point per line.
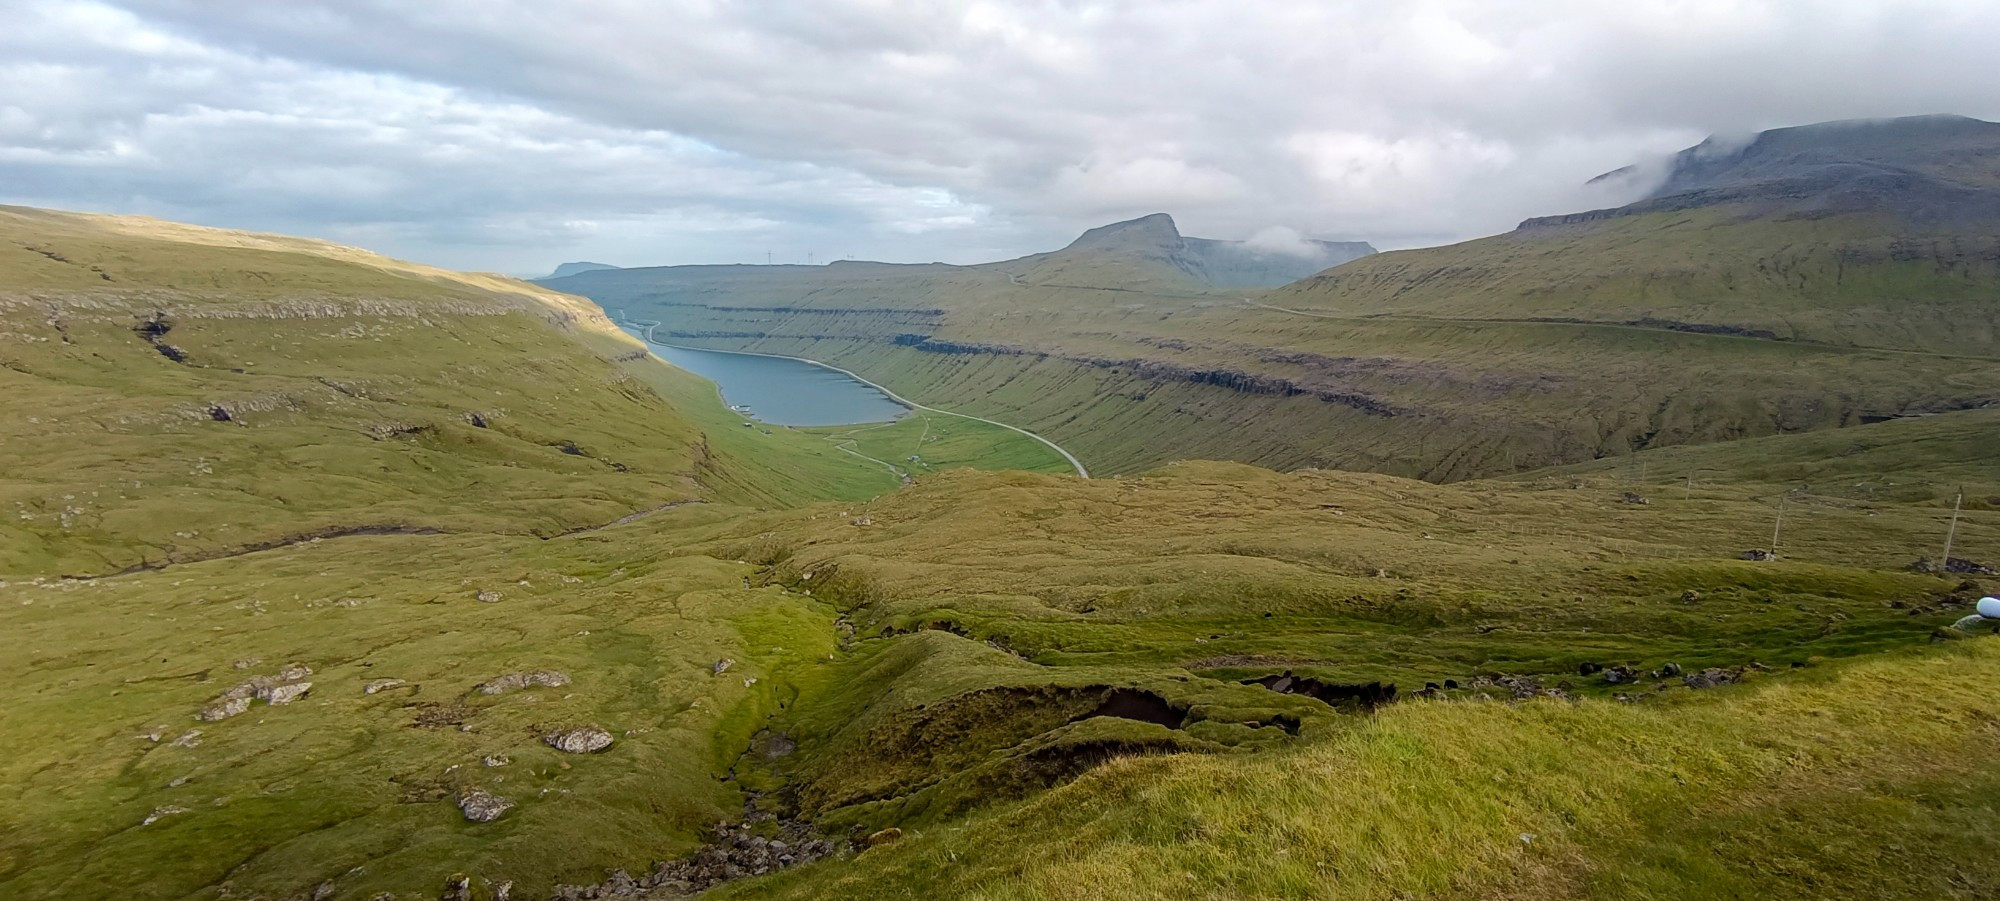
x=1816, y=277
x=1880, y=234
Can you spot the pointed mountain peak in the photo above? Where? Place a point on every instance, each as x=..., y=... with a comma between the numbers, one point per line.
x=1156, y=231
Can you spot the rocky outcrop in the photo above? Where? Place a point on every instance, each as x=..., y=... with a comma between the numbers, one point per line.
x=282, y=687
x=223, y=708
x=481, y=806
x=579, y=740
x=513, y=681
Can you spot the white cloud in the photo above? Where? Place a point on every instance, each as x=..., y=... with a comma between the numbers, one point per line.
x=508, y=134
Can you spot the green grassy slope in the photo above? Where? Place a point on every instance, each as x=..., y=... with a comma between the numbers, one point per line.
x=1858, y=281
x=1826, y=277
x=162, y=375
x=1869, y=780
x=980, y=602
x=935, y=658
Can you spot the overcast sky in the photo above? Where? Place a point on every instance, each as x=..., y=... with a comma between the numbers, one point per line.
x=510, y=136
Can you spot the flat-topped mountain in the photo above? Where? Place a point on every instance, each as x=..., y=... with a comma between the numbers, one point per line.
x=569, y=269
x=1925, y=170
x=1147, y=253
x=1850, y=234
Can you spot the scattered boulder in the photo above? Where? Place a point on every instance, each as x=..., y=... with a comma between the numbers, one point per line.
x=1620, y=675
x=1758, y=555
x=282, y=687
x=481, y=806
x=1711, y=677
x=1590, y=669
x=1667, y=672
x=284, y=694
x=1957, y=565
x=223, y=708
x=495, y=760
x=1521, y=687
x=722, y=666
x=1633, y=498
x=579, y=740
x=487, y=596
x=1690, y=596
x=380, y=685
x=512, y=681
x=188, y=739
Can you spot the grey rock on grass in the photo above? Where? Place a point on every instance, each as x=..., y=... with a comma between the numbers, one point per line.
x=481, y=806
x=579, y=740
x=512, y=681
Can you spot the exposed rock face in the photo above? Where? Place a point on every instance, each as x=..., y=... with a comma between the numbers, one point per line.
x=482, y=806
x=284, y=694
x=579, y=740
x=512, y=681
x=223, y=708
x=282, y=687
x=380, y=685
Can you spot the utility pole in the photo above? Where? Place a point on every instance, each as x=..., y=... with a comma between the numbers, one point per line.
x=1944, y=565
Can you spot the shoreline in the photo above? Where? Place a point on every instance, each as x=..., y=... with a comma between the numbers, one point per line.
x=649, y=325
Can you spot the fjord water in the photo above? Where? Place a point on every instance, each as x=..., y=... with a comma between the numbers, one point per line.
x=782, y=391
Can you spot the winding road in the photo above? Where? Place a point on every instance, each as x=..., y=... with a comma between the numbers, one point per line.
x=649, y=325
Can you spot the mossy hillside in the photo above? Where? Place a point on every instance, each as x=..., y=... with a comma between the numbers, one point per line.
x=1873, y=777
x=1848, y=280
x=995, y=592
x=993, y=608
x=1927, y=459
x=358, y=789
x=162, y=374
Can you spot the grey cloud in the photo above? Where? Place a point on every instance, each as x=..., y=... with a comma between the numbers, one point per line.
x=509, y=134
